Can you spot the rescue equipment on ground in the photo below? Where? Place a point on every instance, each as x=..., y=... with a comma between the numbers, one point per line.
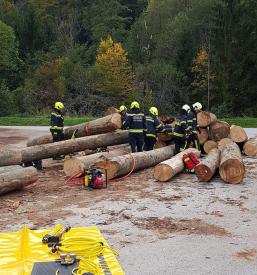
x=190, y=160
x=95, y=178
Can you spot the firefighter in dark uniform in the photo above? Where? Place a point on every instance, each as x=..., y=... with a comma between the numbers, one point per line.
x=153, y=125
x=123, y=113
x=194, y=128
x=57, y=123
x=135, y=123
x=181, y=130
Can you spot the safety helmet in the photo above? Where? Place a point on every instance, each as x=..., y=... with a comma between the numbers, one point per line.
x=134, y=105
x=123, y=108
x=197, y=106
x=154, y=111
x=58, y=106
x=186, y=108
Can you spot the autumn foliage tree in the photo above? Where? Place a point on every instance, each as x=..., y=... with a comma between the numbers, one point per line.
x=113, y=71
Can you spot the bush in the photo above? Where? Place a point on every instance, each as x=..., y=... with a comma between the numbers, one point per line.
x=7, y=102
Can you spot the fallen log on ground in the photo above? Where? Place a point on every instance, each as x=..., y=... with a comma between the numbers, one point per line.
x=10, y=168
x=219, y=130
x=232, y=169
x=76, y=166
x=204, y=119
x=98, y=126
x=38, y=152
x=209, y=145
x=223, y=142
x=206, y=169
x=238, y=134
x=122, y=165
x=250, y=147
x=169, y=168
x=203, y=135
x=111, y=110
x=17, y=179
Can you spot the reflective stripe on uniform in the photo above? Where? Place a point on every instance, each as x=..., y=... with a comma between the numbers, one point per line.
x=178, y=134
x=56, y=115
x=190, y=120
x=150, y=120
x=151, y=135
x=135, y=130
x=56, y=128
x=160, y=125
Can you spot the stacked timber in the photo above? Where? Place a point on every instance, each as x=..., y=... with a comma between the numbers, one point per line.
x=102, y=125
x=250, y=147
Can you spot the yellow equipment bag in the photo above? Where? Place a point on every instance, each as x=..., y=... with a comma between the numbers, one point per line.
x=20, y=250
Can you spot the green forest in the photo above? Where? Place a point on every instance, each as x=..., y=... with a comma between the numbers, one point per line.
x=91, y=54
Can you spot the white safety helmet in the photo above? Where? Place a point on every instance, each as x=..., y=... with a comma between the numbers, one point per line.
x=186, y=108
x=197, y=106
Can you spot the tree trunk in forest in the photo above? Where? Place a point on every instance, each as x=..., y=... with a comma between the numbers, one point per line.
x=238, y=134
x=232, y=169
x=17, y=179
x=76, y=166
x=169, y=168
x=209, y=145
x=223, y=142
x=39, y=152
x=122, y=165
x=98, y=126
x=250, y=147
x=203, y=135
x=204, y=119
x=219, y=130
x=206, y=169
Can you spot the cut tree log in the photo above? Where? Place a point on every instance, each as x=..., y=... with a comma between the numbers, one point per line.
x=159, y=144
x=232, y=169
x=250, y=147
x=17, y=179
x=123, y=165
x=206, y=169
x=98, y=126
x=209, y=145
x=10, y=168
x=169, y=168
x=238, y=134
x=204, y=119
x=76, y=166
x=164, y=137
x=219, y=130
x=203, y=135
x=111, y=110
x=223, y=142
x=38, y=152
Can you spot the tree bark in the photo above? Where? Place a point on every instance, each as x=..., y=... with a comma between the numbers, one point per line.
x=10, y=168
x=169, y=168
x=120, y=166
x=209, y=145
x=17, y=179
x=203, y=135
x=219, y=130
x=98, y=126
x=250, y=147
x=238, y=134
x=39, y=152
x=204, y=119
x=76, y=166
x=232, y=169
x=206, y=169
x=223, y=142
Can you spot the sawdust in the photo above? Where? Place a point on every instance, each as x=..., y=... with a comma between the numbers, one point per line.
x=180, y=226
x=247, y=254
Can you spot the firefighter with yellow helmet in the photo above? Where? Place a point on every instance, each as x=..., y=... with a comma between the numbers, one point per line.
x=123, y=114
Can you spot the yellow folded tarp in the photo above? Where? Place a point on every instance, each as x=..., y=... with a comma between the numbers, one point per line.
x=20, y=250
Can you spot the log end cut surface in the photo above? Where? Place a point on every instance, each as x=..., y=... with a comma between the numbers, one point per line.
x=163, y=172
x=232, y=171
x=203, y=173
x=73, y=167
x=116, y=120
x=111, y=167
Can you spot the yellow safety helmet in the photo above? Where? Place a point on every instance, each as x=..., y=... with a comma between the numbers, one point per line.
x=134, y=105
x=58, y=105
x=154, y=111
x=123, y=108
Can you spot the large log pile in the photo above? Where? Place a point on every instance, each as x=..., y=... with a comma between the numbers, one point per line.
x=102, y=125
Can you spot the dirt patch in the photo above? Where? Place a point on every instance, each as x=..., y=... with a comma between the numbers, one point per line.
x=181, y=226
x=247, y=254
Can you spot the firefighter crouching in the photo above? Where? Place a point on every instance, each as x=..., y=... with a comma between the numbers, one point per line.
x=193, y=125
x=181, y=130
x=57, y=123
x=123, y=114
x=153, y=125
x=135, y=123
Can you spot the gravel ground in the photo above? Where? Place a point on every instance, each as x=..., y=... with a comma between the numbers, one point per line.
x=180, y=227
